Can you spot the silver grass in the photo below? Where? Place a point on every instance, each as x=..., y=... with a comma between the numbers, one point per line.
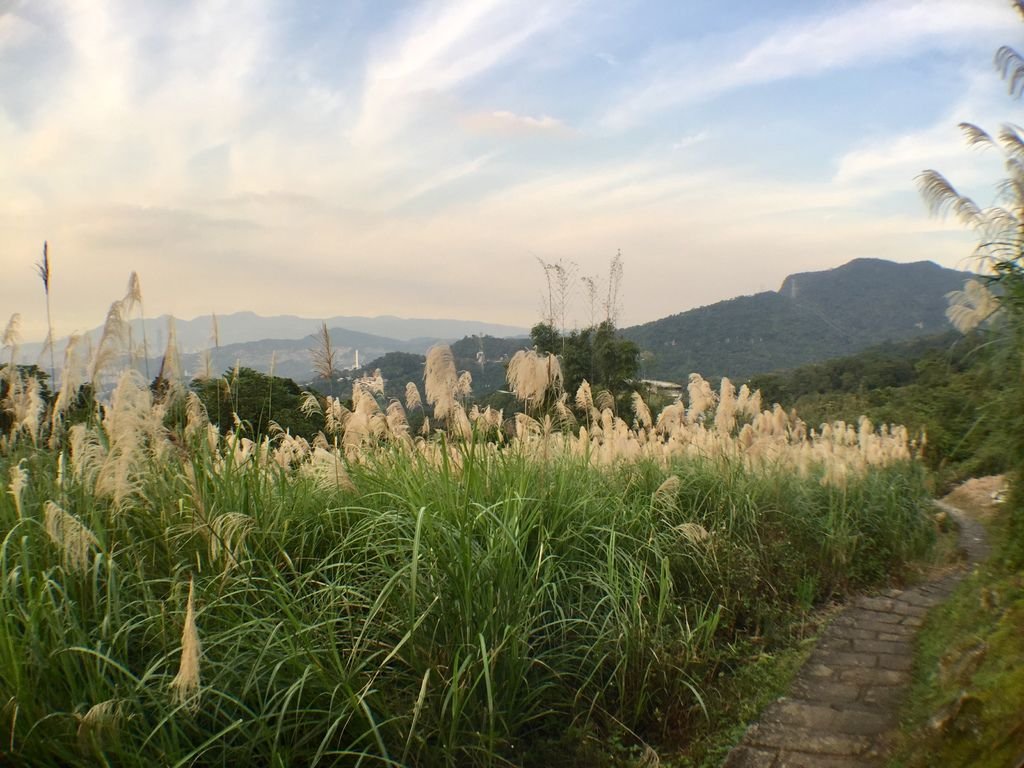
x=460, y=424
x=99, y=721
x=19, y=479
x=111, y=344
x=641, y=411
x=700, y=395
x=25, y=404
x=725, y=413
x=584, y=397
x=531, y=376
x=971, y=307
x=398, y=425
x=227, y=534
x=695, y=533
x=11, y=339
x=170, y=367
x=185, y=685
x=665, y=494
x=196, y=418
x=72, y=377
x=440, y=380
x=70, y=535
x=464, y=385
x=566, y=419
x=325, y=355
x=604, y=401
x=310, y=405
x=412, y=397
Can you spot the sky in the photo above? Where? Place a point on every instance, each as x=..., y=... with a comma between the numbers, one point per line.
x=421, y=159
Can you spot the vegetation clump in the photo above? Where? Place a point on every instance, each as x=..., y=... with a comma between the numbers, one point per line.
x=494, y=593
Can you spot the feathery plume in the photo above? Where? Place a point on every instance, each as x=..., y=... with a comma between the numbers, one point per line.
x=412, y=397
x=440, y=380
x=604, y=401
x=971, y=307
x=111, y=344
x=584, y=397
x=664, y=496
x=185, y=685
x=695, y=533
x=641, y=411
x=70, y=535
x=19, y=479
x=531, y=375
x=101, y=719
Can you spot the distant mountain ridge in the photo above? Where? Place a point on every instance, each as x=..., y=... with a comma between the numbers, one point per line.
x=814, y=316
x=196, y=334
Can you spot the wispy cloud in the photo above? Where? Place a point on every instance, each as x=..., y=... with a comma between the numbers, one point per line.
x=506, y=123
x=440, y=49
x=869, y=32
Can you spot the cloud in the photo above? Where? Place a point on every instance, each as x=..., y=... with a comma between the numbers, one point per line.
x=872, y=31
x=439, y=50
x=689, y=140
x=509, y=124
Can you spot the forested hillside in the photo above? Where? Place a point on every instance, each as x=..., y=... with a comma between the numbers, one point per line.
x=814, y=316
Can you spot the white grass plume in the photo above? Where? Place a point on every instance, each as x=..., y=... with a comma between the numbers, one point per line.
x=584, y=397
x=185, y=685
x=971, y=307
x=19, y=479
x=531, y=376
x=227, y=534
x=111, y=344
x=11, y=339
x=99, y=721
x=641, y=411
x=440, y=380
x=70, y=535
x=412, y=397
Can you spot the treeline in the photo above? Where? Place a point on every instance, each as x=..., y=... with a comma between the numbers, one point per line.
x=946, y=385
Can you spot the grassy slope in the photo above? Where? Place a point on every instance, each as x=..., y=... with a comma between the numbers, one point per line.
x=503, y=613
x=966, y=707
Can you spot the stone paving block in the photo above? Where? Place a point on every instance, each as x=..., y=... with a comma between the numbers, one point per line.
x=875, y=676
x=875, y=603
x=843, y=659
x=803, y=760
x=748, y=757
x=912, y=621
x=818, y=670
x=902, y=663
x=861, y=722
x=891, y=637
x=830, y=691
x=850, y=632
x=883, y=695
x=881, y=646
x=812, y=715
x=890, y=627
x=909, y=609
x=832, y=643
x=860, y=615
x=804, y=740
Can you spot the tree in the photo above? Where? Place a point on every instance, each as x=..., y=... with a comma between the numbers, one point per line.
x=995, y=299
x=597, y=354
x=250, y=394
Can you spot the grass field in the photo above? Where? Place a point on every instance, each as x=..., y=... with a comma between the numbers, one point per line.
x=512, y=595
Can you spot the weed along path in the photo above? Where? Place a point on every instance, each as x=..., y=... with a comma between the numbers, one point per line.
x=846, y=698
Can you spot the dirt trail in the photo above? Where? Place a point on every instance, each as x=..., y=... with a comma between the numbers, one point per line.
x=846, y=698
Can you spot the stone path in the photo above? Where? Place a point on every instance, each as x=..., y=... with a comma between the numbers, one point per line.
x=846, y=698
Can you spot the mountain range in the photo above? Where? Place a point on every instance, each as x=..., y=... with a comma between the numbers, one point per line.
x=814, y=316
